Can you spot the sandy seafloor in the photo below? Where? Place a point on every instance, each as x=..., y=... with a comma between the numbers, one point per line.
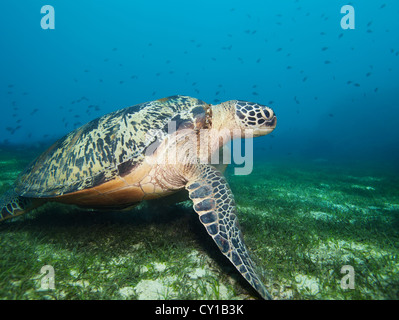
x=302, y=221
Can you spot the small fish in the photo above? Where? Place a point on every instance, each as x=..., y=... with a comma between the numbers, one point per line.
x=324, y=48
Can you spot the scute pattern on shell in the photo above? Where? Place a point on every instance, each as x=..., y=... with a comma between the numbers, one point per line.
x=103, y=148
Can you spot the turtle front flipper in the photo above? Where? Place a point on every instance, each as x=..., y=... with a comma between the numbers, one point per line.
x=12, y=205
x=214, y=203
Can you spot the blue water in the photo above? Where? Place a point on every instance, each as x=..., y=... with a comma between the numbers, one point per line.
x=335, y=91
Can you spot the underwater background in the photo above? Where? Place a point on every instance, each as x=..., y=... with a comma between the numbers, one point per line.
x=324, y=188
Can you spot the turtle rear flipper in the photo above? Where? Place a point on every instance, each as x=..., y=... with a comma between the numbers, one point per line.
x=11, y=205
x=214, y=203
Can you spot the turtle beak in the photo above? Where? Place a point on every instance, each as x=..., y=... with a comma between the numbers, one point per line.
x=269, y=125
x=272, y=123
x=262, y=131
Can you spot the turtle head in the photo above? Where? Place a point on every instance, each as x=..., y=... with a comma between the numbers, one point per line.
x=259, y=118
x=244, y=115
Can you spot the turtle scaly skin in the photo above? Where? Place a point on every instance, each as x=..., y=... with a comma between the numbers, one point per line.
x=214, y=203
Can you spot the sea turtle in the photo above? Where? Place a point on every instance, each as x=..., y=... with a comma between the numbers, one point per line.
x=144, y=152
